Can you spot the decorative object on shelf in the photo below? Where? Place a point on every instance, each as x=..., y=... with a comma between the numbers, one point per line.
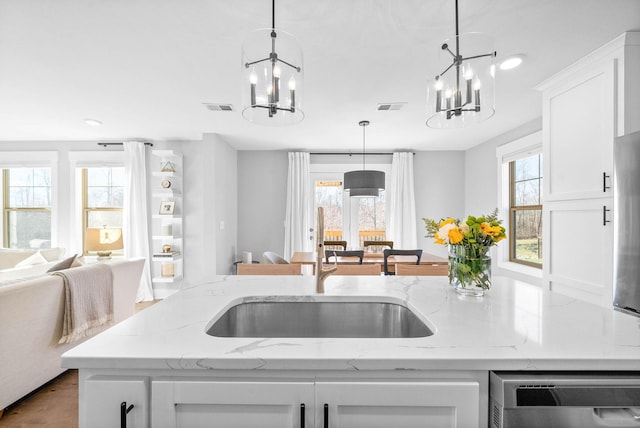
x=263, y=72
x=167, y=270
x=165, y=184
x=103, y=240
x=453, y=97
x=166, y=254
x=469, y=243
x=167, y=207
x=166, y=248
x=363, y=183
x=167, y=230
x=168, y=166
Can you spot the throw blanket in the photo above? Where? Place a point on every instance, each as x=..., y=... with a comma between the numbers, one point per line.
x=88, y=303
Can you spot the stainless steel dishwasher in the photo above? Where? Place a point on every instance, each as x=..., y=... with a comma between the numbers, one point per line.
x=564, y=399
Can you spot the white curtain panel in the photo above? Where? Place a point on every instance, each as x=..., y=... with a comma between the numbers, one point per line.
x=135, y=227
x=299, y=215
x=401, y=227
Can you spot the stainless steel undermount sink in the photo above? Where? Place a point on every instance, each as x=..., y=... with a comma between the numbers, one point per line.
x=322, y=319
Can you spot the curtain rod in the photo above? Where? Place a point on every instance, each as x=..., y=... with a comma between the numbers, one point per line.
x=355, y=153
x=146, y=143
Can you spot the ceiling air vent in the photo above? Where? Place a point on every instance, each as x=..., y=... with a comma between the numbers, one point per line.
x=219, y=107
x=390, y=106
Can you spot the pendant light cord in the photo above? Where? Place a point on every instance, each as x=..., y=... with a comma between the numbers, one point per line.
x=273, y=14
x=363, y=150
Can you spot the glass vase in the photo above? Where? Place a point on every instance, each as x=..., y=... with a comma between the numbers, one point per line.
x=470, y=269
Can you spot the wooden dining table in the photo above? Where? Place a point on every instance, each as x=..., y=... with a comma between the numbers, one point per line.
x=309, y=258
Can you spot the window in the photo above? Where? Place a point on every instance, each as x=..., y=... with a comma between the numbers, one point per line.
x=27, y=207
x=102, y=198
x=354, y=220
x=525, y=210
x=328, y=194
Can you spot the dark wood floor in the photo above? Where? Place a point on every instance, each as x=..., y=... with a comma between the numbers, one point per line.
x=55, y=405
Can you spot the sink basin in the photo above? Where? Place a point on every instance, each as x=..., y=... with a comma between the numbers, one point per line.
x=319, y=319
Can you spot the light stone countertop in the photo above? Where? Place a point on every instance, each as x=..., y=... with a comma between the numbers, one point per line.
x=516, y=326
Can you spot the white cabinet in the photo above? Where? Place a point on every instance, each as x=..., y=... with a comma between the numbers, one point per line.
x=197, y=403
x=579, y=259
x=106, y=400
x=584, y=108
x=578, y=133
x=440, y=404
x=167, y=227
x=335, y=404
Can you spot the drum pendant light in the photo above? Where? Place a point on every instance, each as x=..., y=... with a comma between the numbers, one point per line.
x=363, y=183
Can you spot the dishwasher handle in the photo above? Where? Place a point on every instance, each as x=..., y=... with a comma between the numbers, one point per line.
x=617, y=414
x=612, y=396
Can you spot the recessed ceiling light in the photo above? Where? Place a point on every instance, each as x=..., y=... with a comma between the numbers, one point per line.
x=511, y=62
x=92, y=122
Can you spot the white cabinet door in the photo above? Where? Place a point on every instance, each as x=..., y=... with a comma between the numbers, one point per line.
x=211, y=404
x=398, y=404
x=578, y=131
x=579, y=251
x=102, y=398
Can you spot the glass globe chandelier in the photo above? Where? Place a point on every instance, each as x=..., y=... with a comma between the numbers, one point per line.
x=272, y=77
x=463, y=93
x=363, y=183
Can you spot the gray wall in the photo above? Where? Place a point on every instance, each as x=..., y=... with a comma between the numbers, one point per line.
x=262, y=188
x=226, y=203
x=439, y=179
x=481, y=181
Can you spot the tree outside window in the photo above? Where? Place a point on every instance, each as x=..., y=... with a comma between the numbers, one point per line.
x=525, y=237
x=27, y=207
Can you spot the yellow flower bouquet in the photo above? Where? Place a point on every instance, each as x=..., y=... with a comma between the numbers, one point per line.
x=469, y=242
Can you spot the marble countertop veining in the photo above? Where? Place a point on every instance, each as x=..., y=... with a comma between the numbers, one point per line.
x=516, y=326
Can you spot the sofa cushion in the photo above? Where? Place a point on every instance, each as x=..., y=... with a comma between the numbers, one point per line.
x=64, y=264
x=52, y=254
x=34, y=259
x=11, y=257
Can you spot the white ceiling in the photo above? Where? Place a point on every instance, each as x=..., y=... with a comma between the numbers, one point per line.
x=145, y=67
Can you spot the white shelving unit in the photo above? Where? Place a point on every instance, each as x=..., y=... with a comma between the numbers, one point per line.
x=167, y=228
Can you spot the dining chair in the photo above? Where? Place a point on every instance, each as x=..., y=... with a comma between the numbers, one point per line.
x=364, y=269
x=269, y=257
x=269, y=269
x=388, y=253
x=366, y=244
x=349, y=253
x=422, y=270
x=342, y=244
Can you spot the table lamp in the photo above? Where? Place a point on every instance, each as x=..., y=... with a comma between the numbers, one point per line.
x=104, y=240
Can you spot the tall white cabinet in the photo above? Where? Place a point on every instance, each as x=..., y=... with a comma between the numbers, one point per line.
x=167, y=227
x=584, y=108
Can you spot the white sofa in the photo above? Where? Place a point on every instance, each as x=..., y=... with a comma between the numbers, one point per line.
x=31, y=324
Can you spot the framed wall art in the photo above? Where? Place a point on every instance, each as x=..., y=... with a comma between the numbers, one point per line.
x=167, y=207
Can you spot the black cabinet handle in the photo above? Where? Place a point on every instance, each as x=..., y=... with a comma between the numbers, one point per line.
x=604, y=182
x=302, y=415
x=604, y=215
x=124, y=410
x=326, y=415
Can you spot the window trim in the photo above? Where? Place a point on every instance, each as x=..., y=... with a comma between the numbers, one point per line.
x=517, y=149
x=513, y=208
x=86, y=209
x=33, y=159
x=7, y=209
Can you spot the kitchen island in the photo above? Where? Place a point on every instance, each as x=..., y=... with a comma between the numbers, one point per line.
x=163, y=362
